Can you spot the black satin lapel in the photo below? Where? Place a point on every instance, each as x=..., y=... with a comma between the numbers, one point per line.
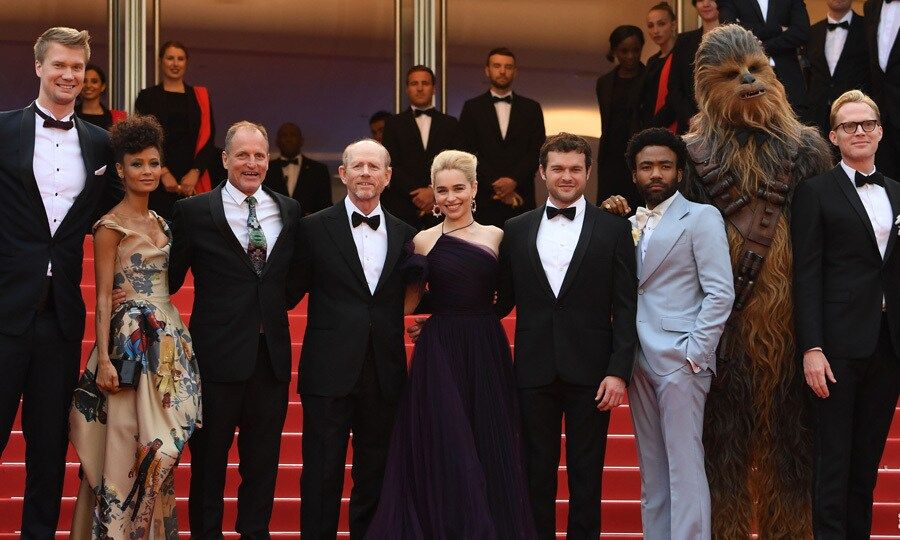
x=26, y=165
x=490, y=115
x=338, y=226
x=217, y=210
x=533, y=254
x=846, y=186
x=394, y=247
x=584, y=239
x=872, y=20
x=758, y=10
x=893, y=194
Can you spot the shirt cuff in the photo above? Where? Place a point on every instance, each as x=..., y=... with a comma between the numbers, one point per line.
x=813, y=349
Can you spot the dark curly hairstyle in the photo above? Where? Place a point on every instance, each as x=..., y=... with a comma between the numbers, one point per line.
x=134, y=134
x=656, y=137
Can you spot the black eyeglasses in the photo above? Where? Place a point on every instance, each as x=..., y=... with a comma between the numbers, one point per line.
x=850, y=127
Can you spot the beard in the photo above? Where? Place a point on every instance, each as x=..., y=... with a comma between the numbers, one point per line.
x=652, y=199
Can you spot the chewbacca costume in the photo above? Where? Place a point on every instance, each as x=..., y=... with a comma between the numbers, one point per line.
x=747, y=153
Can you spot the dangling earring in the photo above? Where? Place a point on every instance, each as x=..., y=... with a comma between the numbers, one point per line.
x=473, y=206
x=436, y=211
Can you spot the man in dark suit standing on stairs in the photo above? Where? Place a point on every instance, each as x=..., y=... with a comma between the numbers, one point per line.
x=238, y=240
x=505, y=131
x=882, y=29
x=299, y=177
x=844, y=227
x=57, y=175
x=413, y=138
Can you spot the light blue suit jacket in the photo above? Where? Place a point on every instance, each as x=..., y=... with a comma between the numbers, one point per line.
x=685, y=288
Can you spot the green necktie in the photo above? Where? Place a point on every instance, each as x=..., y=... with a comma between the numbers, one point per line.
x=256, y=248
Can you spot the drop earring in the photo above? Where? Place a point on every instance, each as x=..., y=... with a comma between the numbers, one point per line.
x=436, y=211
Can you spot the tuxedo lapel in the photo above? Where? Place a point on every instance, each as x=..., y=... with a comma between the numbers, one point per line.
x=845, y=184
x=394, y=247
x=26, y=165
x=217, y=211
x=758, y=10
x=338, y=227
x=532, y=250
x=664, y=237
x=515, y=117
x=893, y=194
x=852, y=36
x=490, y=116
x=872, y=19
x=412, y=129
x=584, y=240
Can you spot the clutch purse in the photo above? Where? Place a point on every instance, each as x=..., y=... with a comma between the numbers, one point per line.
x=128, y=370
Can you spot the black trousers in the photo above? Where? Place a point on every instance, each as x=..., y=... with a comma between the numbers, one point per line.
x=257, y=408
x=543, y=409
x=40, y=367
x=850, y=430
x=327, y=423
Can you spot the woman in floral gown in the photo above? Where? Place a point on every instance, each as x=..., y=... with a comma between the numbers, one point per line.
x=129, y=439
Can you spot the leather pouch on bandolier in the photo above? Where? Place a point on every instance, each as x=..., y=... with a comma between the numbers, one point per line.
x=754, y=215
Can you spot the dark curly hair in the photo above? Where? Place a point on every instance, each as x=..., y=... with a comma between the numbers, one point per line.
x=656, y=137
x=134, y=134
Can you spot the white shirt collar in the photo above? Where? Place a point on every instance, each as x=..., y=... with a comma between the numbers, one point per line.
x=848, y=17
x=237, y=195
x=50, y=114
x=851, y=172
x=495, y=94
x=348, y=204
x=579, y=206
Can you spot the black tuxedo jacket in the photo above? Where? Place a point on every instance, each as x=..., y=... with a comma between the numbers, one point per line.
x=681, y=79
x=25, y=242
x=839, y=274
x=885, y=83
x=313, y=189
x=588, y=332
x=345, y=319
x=780, y=45
x=516, y=156
x=231, y=303
x=852, y=70
x=411, y=162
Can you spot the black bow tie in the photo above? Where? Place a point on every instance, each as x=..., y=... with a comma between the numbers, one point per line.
x=420, y=112
x=54, y=123
x=743, y=136
x=285, y=162
x=568, y=213
x=505, y=99
x=876, y=179
x=372, y=221
x=833, y=26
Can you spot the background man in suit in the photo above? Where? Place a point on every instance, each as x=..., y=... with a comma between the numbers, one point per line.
x=685, y=293
x=839, y=61
x=238, y=241
x=505, y=131
x=413, y=138
x=882, y=26
x=55, y=181
x=303, y=179
x=846, y=302
x=353, y=361
x=376, y=125
x=569, y=269
x=783, y=28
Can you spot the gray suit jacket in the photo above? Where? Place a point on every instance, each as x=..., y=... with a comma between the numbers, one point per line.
x=685, y=288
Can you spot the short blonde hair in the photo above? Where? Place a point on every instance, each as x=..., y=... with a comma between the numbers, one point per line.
x=68, y=37
x=852, y=96
x=455, y=160
x=244, y=124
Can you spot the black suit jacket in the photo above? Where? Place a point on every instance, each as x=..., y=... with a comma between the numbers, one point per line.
x=851, y=72
x=345, y=319
x=781, y=45
x=516, y=156
x=588, y=332
x=232, y=303
x=411, y=162
x=839, y=274
x=885, y=83
x=313, y=189
x=681, y=78
x=25, y=242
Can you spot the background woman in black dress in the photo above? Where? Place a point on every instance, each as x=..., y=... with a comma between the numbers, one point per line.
x=89, y=107
x=617, y=93
x=185, y=114
x=656, y=107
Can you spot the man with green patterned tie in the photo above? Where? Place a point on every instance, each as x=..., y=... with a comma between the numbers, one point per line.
x=238, y=241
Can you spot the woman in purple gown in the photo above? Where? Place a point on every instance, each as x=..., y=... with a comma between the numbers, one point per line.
x=455, y=468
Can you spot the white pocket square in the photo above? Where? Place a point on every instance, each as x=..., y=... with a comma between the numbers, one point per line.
x=101, y=171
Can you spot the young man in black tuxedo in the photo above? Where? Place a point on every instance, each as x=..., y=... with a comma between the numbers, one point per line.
x=839, y=61
x=238, y=240
x=847, y=316
x=783, y=28
x=57, y=174
x=303, y=179
x=353, y=361
x=884, y=63
x=413, y=138
x=569, y=269
x=505, y=131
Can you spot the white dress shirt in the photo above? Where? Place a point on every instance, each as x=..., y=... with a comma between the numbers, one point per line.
x=556, y=241
x=424, y=123
x=652, y=222
x=887, y=31
x=291, y=173
x=503, y=110
x=58, y=169
x=835, y=41
x=237, y=210
x=371, y=246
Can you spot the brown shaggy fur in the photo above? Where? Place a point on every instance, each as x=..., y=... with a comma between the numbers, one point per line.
x=757, y=446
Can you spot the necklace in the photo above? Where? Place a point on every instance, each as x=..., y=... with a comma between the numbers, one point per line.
x=458, y=228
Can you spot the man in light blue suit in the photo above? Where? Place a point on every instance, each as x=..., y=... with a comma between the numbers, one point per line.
x=685, y=294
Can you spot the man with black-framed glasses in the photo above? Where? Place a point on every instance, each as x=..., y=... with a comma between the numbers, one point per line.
x=847, y=316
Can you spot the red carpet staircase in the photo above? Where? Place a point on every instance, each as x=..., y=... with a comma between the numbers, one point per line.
x=621, y=482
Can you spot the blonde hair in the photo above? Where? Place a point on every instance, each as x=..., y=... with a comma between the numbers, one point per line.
x=68, y=37
x=244, y=124
x=852, y=96
x=455, y=160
